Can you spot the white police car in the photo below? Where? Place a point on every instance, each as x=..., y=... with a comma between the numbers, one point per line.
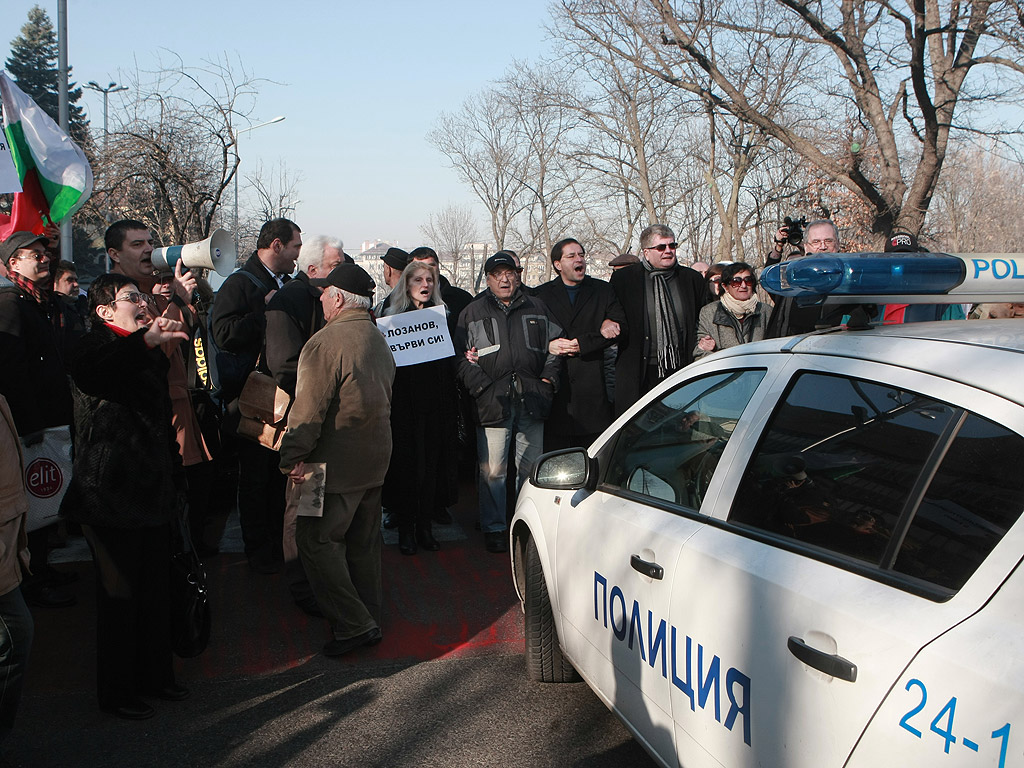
x=800, y=552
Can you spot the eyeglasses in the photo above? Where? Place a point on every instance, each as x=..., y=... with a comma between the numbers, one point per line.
x=715, y=280
x=135, y=298
x=662, y=247
x=738, y=281
x=40, y=257
x=829, y=243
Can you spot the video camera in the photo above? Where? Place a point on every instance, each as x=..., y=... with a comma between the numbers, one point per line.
x=795, y=229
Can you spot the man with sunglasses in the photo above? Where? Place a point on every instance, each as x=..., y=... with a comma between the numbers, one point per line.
x=661, y=300
x=32, y=378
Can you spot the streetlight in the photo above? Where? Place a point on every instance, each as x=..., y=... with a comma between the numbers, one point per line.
x=277, y=119
x=112, y=88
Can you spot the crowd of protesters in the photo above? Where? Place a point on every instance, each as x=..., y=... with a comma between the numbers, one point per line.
x=148, y=375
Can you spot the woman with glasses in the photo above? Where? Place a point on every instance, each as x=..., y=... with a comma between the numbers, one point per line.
x=737, y=317
x=125, y=488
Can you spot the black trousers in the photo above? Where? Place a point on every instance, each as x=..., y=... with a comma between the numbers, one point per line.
x=133, y=632
x=261, y=499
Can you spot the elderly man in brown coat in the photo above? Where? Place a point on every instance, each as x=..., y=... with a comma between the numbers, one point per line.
x=341, y=417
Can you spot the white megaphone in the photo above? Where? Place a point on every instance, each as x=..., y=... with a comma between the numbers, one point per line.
x=217, y=252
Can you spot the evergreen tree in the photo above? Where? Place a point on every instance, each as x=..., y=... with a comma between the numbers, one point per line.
x=33, y=66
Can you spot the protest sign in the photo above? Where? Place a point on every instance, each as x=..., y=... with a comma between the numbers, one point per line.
x=417, y=336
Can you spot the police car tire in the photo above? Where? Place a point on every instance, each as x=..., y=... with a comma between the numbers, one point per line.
x=544, y=660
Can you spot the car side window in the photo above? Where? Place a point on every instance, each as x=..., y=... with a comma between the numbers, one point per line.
x=877, y=474
x=670, y=449
x=977, y=494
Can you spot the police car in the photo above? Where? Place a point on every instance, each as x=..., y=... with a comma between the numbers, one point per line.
x=803, y=551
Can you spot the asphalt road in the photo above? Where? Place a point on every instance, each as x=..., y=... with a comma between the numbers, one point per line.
x=446, y=687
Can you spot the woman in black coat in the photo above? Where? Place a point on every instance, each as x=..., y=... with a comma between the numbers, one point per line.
x=423, y=474
x=124, y=491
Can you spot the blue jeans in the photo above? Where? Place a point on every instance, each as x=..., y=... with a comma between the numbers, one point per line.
x=492, y=445
x=16, y=629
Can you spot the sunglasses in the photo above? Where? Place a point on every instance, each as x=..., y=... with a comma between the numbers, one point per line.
x=662, y=247
x=135, y=298
x=749, y=280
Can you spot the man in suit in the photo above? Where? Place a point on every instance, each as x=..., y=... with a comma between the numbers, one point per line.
x=661, y=300
x=591, y=319
x=238, y=327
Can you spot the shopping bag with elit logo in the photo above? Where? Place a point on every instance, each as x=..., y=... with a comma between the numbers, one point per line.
x=47, y=474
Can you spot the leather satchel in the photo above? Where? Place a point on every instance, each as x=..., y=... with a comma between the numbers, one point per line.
x=263, y=408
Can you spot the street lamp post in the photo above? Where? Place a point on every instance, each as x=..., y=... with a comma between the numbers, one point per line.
x=277, y=119
x=112, y=88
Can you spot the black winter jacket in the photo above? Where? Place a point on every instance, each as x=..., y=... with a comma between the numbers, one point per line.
x=32, y=375
x=581, y=405
x=293, y=315
x=238, y=324
x=127, y=468
x=510, y=340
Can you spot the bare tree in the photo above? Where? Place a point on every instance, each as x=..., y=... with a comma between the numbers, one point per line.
x=894, y=70
x=485, y=148
x=969, y=213
x=172, y=148
x=451, y=232
x=275, y=196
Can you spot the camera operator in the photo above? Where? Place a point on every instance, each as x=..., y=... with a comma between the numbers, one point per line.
x=794, y=239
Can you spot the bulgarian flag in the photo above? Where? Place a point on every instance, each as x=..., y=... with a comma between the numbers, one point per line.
x=54, y=173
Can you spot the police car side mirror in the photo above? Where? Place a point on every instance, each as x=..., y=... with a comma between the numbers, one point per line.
x=565, y=470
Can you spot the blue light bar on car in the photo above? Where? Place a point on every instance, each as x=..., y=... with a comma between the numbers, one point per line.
x=911, y=278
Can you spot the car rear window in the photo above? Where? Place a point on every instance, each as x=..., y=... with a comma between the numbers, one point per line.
x=883, y=477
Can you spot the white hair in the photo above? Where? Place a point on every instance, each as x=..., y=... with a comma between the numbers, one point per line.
x=311, y=254
x=352, y=300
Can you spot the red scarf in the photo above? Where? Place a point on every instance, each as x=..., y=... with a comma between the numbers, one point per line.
x=33, y=289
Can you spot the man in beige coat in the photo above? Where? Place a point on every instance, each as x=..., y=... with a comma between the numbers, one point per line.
x=16, y=625
x=341, y=416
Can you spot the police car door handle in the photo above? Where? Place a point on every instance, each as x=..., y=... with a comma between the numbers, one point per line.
x=651, y=570
x=829, y=663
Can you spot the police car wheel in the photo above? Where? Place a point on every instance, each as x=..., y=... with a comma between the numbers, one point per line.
x=544, y=660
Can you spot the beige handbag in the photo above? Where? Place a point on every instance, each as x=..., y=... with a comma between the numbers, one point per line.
x=263, y=407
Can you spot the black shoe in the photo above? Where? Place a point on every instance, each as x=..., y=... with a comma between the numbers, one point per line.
x=172, y=692
x=443, y=516
x=390, y=520
x=134, y=709
x=261, y=562
x=310, y=606
x=48, y=597
x=51, y=577
x=425, y=538
x=407, y=541
x=339, y=647
x=496, y=542
x=205, y=551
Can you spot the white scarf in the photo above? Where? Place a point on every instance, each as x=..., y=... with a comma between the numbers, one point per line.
x=737, y=308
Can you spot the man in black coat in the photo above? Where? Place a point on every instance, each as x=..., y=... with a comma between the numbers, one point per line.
x=33, y=379
x=661, y=299
x=591, y=320
x=238, y=327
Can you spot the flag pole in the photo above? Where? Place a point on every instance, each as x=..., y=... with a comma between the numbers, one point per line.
x=62, y=94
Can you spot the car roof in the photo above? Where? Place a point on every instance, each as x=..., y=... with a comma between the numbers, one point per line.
x=985, y=354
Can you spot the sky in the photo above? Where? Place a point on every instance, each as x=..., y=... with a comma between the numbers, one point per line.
x=359, y=83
